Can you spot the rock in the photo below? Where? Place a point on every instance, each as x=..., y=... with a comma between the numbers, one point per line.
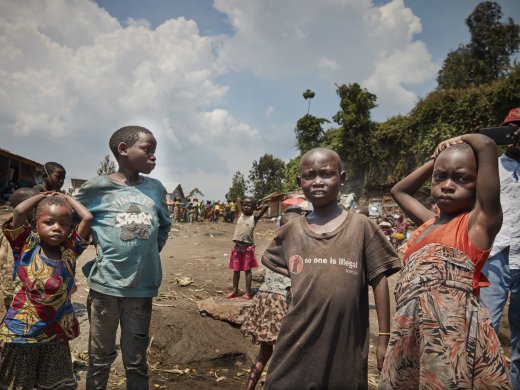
x=181, y=336
x=259, y=276
x=229, y=310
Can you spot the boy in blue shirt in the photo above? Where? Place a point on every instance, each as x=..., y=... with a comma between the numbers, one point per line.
x=130, y=226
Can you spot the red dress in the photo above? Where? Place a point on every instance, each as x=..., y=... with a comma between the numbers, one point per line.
x=442, y=337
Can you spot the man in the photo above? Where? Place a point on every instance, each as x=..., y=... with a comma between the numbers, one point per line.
x=503, y=266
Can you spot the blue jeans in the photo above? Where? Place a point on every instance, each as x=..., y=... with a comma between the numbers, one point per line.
x=504, y=283
x=105, y=313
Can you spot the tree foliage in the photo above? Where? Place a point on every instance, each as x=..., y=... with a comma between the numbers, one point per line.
x=292, y=170
x=488, y=55
x=355, y=122
x=238, y=187
x=308, y=94
x=309, y=132
x=266, y=176
x=107, y=166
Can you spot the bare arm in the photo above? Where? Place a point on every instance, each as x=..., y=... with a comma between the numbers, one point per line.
x=239, y=206
x=83, y=213
x=404, y=190
x=382, y=301
x=274, y=267
x=261, y=211
x=486, y=217
x=24, y=209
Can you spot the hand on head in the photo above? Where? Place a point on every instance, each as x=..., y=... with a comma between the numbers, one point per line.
x=446, y=144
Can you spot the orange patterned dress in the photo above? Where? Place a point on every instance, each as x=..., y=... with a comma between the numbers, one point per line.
x=442, y=337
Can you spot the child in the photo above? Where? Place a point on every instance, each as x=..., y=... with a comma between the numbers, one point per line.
x=442, y=336
x=53, y=177
x=131, y=224
x=243, y=257
x=265, y=316
x=22, y=194
x=40, y=320
x=331, y=256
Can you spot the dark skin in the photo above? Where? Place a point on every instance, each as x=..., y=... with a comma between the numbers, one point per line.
x=54, y=181
x=458, y=185
x=54, y=224
x=247, y=207
x=513, y=150
x=320, y=178
x=266, y=349
x=135, y=159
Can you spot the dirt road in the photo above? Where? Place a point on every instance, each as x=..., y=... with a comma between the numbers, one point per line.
x=199, y=251
x=188, y=350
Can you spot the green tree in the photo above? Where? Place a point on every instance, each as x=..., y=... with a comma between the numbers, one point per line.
x=488, y=55
x=238, y=187
x=308, y=94
x=292, y=169
x=266, y=176
x=309, y=132
x=107, y=167
x=356, y=126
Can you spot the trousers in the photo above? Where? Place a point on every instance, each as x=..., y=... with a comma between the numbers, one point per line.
x=106, y=313
x=505, y=282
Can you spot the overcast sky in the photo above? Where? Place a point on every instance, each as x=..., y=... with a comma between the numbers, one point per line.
x=218, y=82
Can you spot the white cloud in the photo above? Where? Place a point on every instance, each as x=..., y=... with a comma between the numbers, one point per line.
x=77, y=91
x=338, y=41
x=138, y=22
x=65, y=87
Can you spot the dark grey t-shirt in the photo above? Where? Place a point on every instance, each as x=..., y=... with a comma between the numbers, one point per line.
x=324, y=338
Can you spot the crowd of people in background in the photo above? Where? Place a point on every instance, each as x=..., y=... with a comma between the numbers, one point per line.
x=195, y=210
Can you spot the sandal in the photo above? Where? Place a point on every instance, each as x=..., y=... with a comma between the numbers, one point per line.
x=246, y=297
x=231, y=295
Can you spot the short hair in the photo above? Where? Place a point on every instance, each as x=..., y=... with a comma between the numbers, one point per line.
x=51, y=166
x=251, y=199
x=50, y=201
x=128, y=134
x=324, y=151
x=22, y=194
x=462, y=147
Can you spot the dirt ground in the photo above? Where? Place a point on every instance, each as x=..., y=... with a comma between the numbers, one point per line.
x=188, y=350
x=199, y=251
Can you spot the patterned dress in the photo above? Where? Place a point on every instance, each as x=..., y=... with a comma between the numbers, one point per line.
x=442, y=337
x=264, y=317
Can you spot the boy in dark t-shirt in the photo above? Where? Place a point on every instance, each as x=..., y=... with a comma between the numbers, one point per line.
x=331, y=256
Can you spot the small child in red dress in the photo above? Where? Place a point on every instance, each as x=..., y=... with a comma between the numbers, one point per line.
x=243, y=257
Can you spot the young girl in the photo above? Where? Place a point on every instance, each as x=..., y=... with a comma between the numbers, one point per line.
x=243, y=256
x=442, y=336
x=41, y=320
x=265, y=316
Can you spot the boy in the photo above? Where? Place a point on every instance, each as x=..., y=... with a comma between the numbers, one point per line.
x=332, y=256
x=53, y=177
x=131, y=224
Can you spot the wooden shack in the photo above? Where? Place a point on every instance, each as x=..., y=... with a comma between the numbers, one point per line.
x=19, y=170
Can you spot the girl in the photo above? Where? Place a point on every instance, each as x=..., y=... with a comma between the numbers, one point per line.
x=40, y=320
x=442, y=336
x=243, y=256
x=265, y=316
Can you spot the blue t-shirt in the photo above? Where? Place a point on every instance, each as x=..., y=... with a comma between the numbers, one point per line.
x=130, y=226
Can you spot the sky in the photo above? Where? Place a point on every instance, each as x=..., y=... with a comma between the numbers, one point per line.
x=219, y=83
